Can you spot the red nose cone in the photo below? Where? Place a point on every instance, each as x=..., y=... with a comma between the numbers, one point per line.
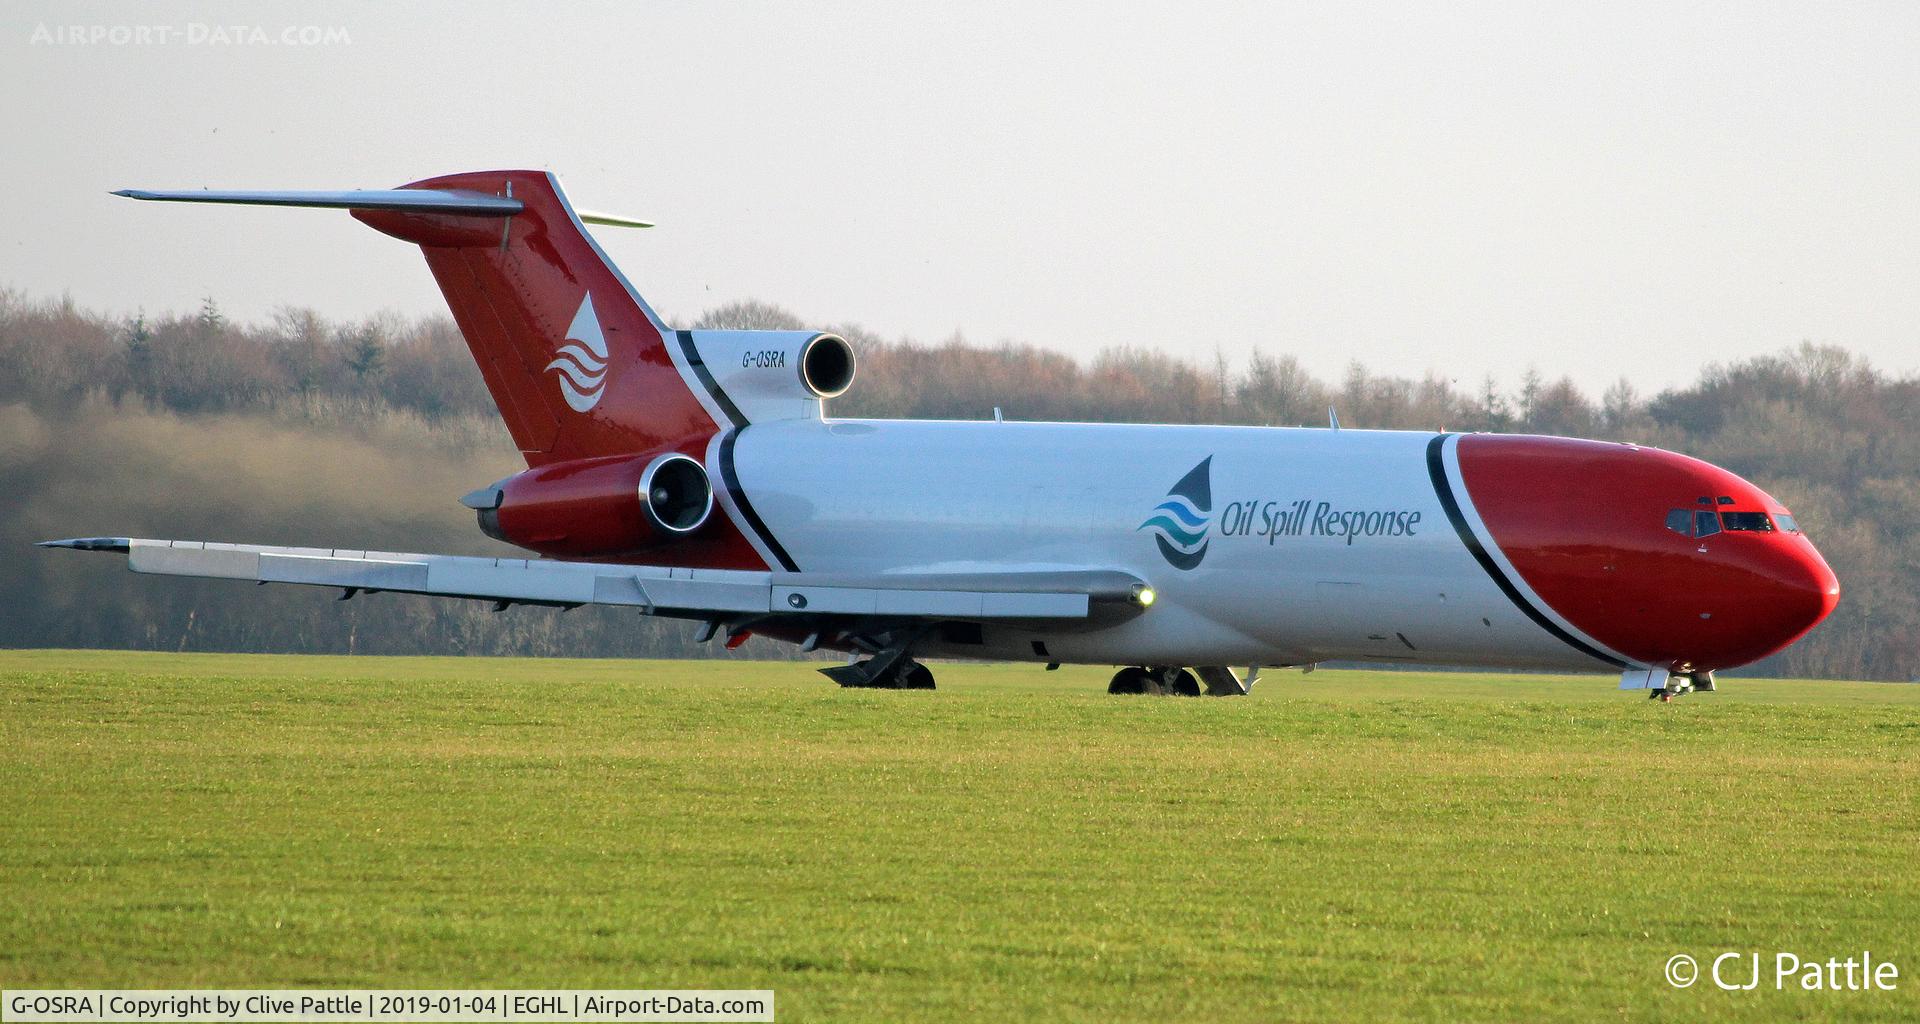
x=1809, y=591
x=1663, y=559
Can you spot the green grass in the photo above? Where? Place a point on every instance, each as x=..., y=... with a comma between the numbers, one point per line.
x=1016, y=845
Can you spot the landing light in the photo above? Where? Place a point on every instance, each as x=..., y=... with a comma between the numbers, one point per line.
x=1143, y=596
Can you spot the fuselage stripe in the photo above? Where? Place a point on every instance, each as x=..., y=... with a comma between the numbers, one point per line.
x=1436, y=468
x=728, y=476
x=699, y=366
x=732, y=482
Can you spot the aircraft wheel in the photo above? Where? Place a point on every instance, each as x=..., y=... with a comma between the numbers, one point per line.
x=1130, y=680
x=919, y=677
x=1181, y=683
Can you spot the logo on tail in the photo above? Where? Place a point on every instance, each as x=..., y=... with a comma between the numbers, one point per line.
x=581, y=364
x=1181, y=522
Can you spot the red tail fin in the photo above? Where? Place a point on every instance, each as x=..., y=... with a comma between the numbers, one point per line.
x=577, y=362
x=582, y=370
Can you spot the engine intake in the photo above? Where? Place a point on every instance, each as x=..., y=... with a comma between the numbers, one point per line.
x=826, y=366
x=678, y=495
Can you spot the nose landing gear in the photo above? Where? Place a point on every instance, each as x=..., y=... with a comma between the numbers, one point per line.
x=1681, y=684
x=1665, y=684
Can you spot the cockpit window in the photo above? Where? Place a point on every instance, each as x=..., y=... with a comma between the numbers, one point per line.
x=1756, y=522
x=1702, y=523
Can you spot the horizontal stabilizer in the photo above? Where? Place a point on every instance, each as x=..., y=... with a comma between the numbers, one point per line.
x=610, y=220
x=412, y=200
x=407, y=200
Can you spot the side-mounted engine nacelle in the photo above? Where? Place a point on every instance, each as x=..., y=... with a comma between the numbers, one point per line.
x=776, y=375
x=597, y=508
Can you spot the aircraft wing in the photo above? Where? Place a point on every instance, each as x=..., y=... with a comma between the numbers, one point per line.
x=713, y=594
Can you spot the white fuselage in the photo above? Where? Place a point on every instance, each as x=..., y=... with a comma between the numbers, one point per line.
x=1287, y=574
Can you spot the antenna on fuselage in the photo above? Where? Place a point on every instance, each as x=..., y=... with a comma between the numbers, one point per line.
x=1333, y=418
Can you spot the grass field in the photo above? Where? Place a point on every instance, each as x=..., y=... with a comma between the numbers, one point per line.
x=1016, y=845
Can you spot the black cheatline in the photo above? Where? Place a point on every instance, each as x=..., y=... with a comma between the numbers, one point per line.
x=1437, y=469
x=727, y=475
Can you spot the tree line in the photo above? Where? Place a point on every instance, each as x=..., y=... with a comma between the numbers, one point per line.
x=301, y=428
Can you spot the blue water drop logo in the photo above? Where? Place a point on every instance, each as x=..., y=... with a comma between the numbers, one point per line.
x=1180, y=524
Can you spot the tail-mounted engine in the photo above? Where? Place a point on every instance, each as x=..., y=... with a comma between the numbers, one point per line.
x=775, y=375
x=597, y=508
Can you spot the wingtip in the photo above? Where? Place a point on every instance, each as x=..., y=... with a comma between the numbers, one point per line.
x=119, y=544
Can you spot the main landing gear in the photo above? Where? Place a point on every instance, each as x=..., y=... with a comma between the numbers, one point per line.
x=1167, y=680
x=883, y=673
x=890, y=666
x=1212, y=680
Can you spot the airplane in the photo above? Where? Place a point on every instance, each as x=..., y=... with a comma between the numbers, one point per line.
x=695, y=474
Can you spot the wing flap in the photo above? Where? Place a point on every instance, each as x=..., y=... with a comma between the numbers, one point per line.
x=716, y=591
x=365, y=573
x=192, y=560
x=508, y=579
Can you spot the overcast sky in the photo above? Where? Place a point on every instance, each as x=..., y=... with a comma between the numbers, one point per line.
x=1597, y=190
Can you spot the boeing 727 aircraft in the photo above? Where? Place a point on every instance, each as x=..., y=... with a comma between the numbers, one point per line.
x=695, y=474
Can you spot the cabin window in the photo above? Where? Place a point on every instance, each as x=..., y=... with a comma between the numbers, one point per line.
x=1680, y=521
x=1786, y=522
x=1705, y=524
x=1755, y=522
